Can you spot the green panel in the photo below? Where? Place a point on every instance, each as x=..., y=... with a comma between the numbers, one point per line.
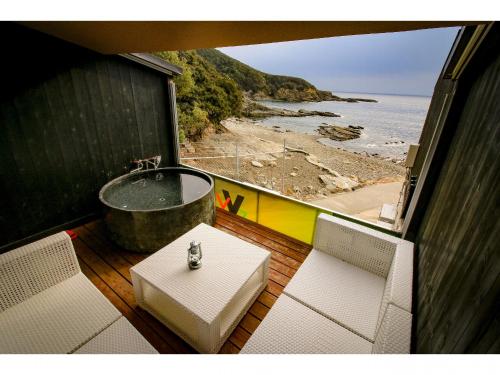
x=236, y=198
x=288, y=217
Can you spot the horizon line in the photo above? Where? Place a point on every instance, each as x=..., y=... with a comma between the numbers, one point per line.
x=381, y=93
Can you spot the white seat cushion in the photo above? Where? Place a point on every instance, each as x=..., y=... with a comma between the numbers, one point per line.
x=292, y=328
x=119, y=338
x=57, y=320
x=340, y=291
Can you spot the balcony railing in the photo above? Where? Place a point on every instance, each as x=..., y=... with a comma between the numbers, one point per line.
x=269, y=208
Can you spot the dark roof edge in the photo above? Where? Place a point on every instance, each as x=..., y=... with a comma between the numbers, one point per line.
x=154, y=62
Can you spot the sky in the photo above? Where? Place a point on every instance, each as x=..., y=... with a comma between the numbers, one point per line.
x=404, y=63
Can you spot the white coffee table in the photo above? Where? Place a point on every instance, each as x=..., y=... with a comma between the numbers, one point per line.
x=202, y=306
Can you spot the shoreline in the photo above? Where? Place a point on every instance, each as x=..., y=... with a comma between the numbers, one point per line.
x=312, y=171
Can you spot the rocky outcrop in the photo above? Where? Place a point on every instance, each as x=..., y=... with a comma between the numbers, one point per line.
x=304, y=112
x=364, y=100
x=305, y=95
x=340, y=133
x=257, y=111
x=336, y=98
x=338, y=183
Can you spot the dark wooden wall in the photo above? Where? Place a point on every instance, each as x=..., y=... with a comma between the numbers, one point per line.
x=458, y=241
x=70, y=120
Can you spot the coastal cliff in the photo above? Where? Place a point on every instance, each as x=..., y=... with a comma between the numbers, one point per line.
x=214, y=87
x=258, y=85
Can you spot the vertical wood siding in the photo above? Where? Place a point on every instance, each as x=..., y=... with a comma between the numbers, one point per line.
x=458, y=291
x=71, y=120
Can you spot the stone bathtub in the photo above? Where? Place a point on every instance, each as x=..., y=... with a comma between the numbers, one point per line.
x=146, y=210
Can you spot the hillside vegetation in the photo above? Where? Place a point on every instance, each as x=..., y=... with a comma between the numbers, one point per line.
x=214, y=86
x=204, y=96
x=259, y=85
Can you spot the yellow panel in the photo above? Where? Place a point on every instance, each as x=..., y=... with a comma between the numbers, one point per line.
x=236, y=198
x=288, y=217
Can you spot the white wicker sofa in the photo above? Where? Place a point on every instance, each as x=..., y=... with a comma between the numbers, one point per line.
x=351, y=295
x=48, y=306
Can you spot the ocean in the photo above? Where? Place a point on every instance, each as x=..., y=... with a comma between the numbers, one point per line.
x=390, y=125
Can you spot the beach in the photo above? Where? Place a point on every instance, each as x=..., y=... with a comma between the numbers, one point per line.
x=313, y=172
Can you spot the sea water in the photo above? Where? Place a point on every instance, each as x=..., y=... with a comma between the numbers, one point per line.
x=390, y=125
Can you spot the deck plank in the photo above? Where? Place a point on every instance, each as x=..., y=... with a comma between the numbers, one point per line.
x=250, y=322
x=277, y=236
x=108, y=267
x=239, y=337
x=267, y=299
x=259, y=310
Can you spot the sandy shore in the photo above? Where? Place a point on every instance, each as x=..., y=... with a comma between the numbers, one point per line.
x=260, y=161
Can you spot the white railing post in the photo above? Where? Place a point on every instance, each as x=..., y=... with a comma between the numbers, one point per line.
x=283, y=172
x=237, y=163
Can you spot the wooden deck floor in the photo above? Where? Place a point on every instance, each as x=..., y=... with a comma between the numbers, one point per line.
x=107, y=266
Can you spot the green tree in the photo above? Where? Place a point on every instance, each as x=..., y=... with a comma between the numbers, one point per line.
x=205, y=97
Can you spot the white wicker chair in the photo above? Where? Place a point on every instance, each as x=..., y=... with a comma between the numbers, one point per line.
x=354, y=285
x=48, y=306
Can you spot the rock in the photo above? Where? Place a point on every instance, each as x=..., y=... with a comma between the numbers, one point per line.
x=279, y=130
x=310, y=188
x=188, y=146
x=305, y=112
x=257, y=164
x=296, y=189
x=276, y=126
x=314, y=161
x=272, y=164
x=339, y=133
x=292, y=149
x=364, y=100
x=295, y=168
x=336, y=174
x=355, y=127
x=333, y=188
x=256, y=110
x=293, y=174
x=338, y=182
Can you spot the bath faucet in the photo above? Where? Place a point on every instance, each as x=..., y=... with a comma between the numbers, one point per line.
x=145, y=163
x=194, y=255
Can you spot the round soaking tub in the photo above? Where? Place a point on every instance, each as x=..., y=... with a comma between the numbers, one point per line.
x=144, y=211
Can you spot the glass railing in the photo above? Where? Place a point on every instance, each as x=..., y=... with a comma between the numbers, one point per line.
x=269, y=208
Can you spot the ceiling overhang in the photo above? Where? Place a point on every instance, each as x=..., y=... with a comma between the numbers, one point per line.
x=112, y=37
